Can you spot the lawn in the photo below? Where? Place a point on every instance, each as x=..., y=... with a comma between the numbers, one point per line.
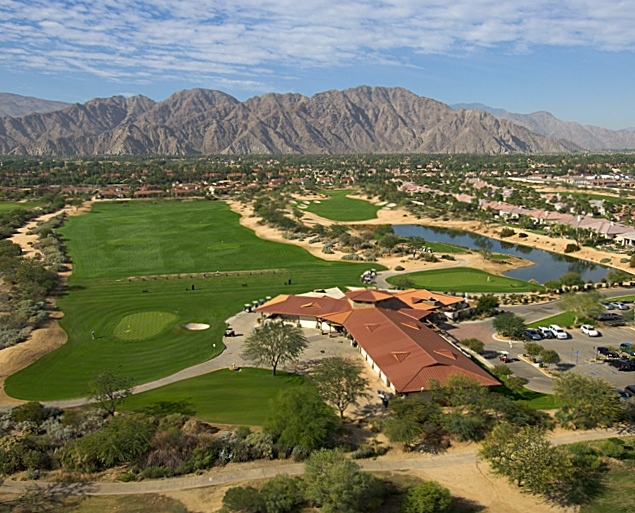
x=564, y=319
x=138, y=324
x=442, y=247
x=224, y=397
x=340, y=208
x=626, y=299
x=5, y=206
x=466, y=279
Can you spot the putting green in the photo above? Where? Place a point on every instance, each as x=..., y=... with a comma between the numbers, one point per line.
x=142, y=325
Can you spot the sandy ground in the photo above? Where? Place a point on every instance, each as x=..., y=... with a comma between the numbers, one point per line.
x=475, y=260
x=50, y=336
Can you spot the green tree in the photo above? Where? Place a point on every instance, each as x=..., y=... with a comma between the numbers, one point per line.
x=618, y=276
x=282, y=494
x=406, y=431
x=110, y=389
x=474, y=344
x=336, y=485
x=586, y=402
x=487, y=304
x=274, y=343
x=533, y=348
x=427, y=497
x=631, y=262
x=549, y=356
x=340, y=382
x=510, y=325
x=582, y=304
x=300, y=418
x=572, y=279
x=523, y=455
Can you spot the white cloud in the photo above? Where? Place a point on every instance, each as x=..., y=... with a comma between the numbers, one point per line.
x=237, y=41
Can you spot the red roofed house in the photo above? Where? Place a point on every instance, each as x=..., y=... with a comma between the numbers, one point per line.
x=389, y=328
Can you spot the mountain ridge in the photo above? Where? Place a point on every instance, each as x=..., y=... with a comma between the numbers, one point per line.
x=358, y=120
x=589, y=137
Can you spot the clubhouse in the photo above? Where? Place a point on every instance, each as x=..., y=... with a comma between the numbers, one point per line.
x=393, y=331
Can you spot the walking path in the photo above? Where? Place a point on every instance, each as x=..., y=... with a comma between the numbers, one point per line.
x=270, y=469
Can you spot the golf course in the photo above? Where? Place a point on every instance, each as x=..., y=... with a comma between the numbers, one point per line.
x=141, y=271
x=340, y=208
x=467, y=279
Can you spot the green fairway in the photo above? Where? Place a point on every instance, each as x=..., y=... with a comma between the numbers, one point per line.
x=98, y=299
x=5, y=206
x=466, y=279
x=225, y=396
x=341, y=208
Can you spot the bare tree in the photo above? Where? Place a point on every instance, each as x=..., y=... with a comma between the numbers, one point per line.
x=274, y=343
x=110, y=389
x=340, y=382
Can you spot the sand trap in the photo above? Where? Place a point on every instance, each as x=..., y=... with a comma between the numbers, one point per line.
x=381, y=203
x=317, y=201
x=195, y=326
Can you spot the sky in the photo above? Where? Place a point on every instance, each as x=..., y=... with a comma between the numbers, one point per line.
x=573, y=58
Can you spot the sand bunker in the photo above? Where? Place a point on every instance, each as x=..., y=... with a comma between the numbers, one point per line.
x=195, y=326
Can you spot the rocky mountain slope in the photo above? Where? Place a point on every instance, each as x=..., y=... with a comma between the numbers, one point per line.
x=359, y=120
x=544, y=123
x=15, y=105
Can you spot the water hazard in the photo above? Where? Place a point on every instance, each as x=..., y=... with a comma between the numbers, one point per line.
x=548, y=266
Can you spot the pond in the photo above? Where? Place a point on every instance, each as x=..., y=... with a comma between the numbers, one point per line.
x=548, y=266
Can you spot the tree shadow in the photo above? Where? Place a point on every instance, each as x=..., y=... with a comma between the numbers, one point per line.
x=165, y=408
x=463, y=505
x=51, y=497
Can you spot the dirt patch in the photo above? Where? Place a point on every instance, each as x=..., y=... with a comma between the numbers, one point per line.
x=15, y=358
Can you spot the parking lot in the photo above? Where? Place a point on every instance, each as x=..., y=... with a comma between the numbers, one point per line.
x=578, y=352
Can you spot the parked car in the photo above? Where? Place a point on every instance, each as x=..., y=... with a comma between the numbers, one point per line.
x=627, y=347
x=609, y=316
x=623, y=365
x=604, y=351
x=545, y=332
x=589, y=330
x=623, y=394
x=619, y=305
x=558, y=332
x=532, y=334
x=608, y=306
x=630, y=390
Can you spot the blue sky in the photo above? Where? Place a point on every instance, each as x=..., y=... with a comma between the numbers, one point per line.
x=573, y=58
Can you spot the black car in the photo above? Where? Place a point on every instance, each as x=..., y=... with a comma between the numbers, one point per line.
x=604, y=351
x=623, y=365
x=532, y=334
x=630, y=390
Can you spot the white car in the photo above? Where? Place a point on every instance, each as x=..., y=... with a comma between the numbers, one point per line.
x=589, y=330
x=558, y=332
x=619, y=305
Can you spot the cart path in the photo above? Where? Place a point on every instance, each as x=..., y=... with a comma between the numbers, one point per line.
x=269, y=470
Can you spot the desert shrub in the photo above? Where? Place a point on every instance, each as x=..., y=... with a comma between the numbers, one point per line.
x=571, y=247
x=507, y=232
x=243, y=499
x=399, y=268
x=427, y=497
x=260, y=445
x=29, y=412
x=282, y=494
x=352, y=256
x=605, y=260
x=613, y=448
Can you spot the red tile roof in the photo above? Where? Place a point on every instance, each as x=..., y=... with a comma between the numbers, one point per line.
x=390, y=331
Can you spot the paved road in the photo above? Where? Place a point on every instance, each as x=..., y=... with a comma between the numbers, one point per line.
x=271, y=469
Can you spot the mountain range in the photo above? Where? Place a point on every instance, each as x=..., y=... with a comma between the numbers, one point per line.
x=15, y=105
x=588, y=137
x=199, y=121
